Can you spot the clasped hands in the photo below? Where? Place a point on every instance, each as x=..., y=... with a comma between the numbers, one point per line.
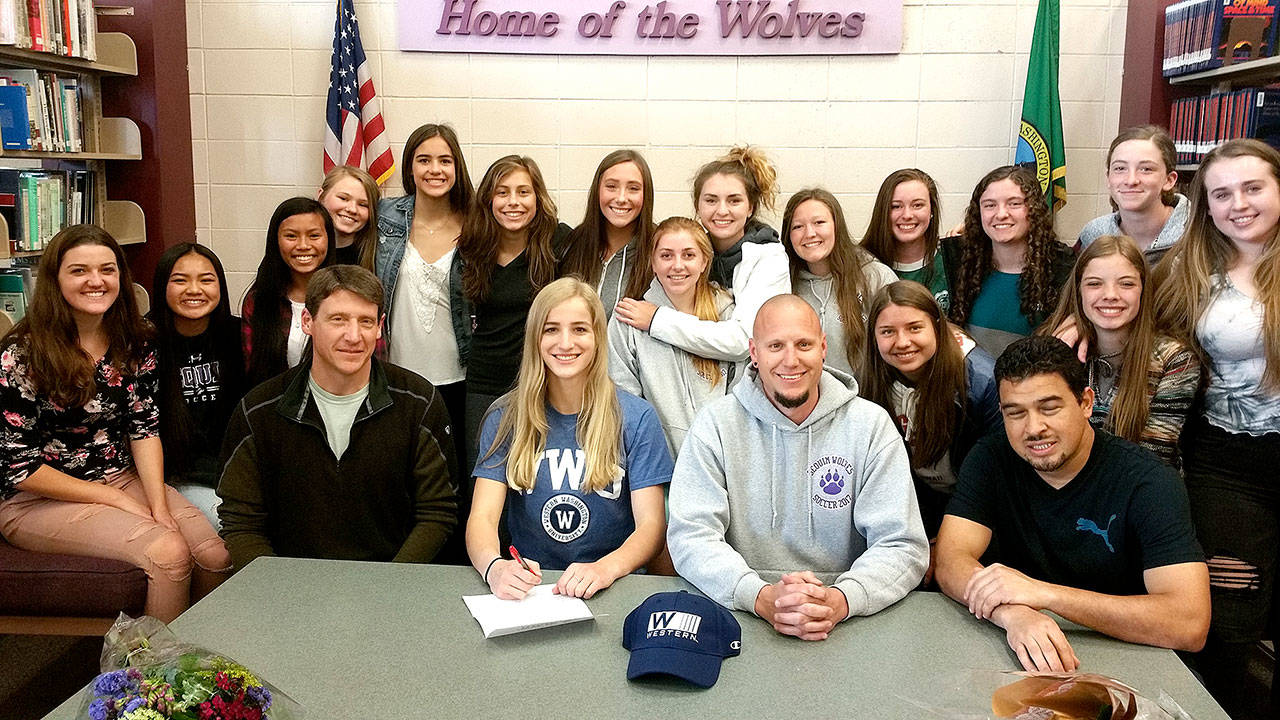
x=160, y=513
x=1013, y=601
x=801, y=606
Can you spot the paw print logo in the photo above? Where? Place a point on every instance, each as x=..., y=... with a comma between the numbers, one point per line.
x=831, y=482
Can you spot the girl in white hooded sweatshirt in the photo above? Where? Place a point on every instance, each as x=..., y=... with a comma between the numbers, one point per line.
x=675, y=381
x=748, y=261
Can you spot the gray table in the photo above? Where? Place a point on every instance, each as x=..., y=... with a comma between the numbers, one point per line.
x=382, y=640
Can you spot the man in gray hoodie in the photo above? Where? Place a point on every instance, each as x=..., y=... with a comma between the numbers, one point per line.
x=792, y=498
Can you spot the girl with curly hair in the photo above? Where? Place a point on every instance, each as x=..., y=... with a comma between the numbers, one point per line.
x=1007, y=267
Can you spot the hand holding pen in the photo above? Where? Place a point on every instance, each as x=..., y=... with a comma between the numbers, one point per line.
x=513, y=579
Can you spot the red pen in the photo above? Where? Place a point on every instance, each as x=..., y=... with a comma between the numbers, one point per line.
x=516, y=555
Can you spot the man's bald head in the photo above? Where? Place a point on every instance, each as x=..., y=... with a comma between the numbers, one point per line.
x=788, y=348
x=787, y=309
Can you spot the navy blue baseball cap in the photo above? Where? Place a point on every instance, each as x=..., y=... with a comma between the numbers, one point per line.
x=680, y=634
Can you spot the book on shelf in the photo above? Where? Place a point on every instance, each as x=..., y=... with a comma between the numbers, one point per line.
x=54, y=121
x=15, y=294
x=61, y=27
x=1199, y=124
x=1205, y=34
x=37, y=204
x=15, y=128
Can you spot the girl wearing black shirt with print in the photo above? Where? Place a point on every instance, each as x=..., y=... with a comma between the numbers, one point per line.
x=201, y=368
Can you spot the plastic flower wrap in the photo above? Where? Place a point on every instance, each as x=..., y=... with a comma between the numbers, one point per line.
x=999, y=695
x=147, y=674
x=1070, y=696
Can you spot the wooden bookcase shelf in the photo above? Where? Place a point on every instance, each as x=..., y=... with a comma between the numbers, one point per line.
x=1264, y=69
x=116, y=56
x=105, y=138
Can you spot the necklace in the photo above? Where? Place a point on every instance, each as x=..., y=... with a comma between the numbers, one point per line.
x=433, y=230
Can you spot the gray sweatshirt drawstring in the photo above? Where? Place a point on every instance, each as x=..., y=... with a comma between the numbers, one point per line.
x=604, y=275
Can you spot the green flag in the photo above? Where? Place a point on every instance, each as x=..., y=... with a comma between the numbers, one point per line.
x=1040, y=134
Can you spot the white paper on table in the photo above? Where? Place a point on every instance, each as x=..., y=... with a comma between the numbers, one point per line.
x=540, y=608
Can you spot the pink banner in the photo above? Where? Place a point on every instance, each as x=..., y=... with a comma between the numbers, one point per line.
x=668, y=27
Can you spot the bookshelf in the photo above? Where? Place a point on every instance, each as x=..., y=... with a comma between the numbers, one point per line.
x=105, y=138
x=1223, y=80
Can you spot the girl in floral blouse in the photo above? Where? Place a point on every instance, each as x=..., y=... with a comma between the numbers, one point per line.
x=80, y=452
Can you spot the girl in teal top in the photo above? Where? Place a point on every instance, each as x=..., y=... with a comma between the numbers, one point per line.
x=1006, y=269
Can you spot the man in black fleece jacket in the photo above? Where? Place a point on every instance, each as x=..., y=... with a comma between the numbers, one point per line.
x=342, y=457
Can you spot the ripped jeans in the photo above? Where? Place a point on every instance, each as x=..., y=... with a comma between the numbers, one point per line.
x=1233, y=482
x=170, y=559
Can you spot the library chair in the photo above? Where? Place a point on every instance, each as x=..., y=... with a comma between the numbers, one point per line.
x=48, y=594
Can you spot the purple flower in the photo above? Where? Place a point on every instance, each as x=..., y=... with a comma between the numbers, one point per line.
x=113, y=684
x=134, y=704
x=260, y=696
x=98, y=710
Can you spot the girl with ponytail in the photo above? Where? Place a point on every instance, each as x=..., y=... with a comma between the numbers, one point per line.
x=749, y=260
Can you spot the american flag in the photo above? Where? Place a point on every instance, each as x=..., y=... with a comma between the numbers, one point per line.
x=354, y=132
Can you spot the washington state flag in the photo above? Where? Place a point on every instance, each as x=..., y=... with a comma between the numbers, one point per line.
x=1040, y=133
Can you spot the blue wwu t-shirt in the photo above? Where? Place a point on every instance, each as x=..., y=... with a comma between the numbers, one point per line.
x=558, y=524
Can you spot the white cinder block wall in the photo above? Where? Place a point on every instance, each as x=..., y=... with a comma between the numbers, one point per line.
x=948, y=104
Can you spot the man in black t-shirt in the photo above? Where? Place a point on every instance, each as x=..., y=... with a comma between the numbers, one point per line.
x=1072, y=520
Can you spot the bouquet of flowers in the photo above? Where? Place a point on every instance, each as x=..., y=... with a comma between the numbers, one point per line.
x=149, y=675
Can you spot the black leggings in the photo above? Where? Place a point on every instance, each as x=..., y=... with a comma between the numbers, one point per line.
x=1234, y=487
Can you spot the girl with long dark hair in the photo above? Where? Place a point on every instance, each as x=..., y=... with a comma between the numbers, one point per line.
x=300, y=240
x=507, y=253
x=425, y=330
x=609, y=249
x=935, y=381
x=903, y=231
x=83, y=462
x=835, y=275
x=201, y=368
